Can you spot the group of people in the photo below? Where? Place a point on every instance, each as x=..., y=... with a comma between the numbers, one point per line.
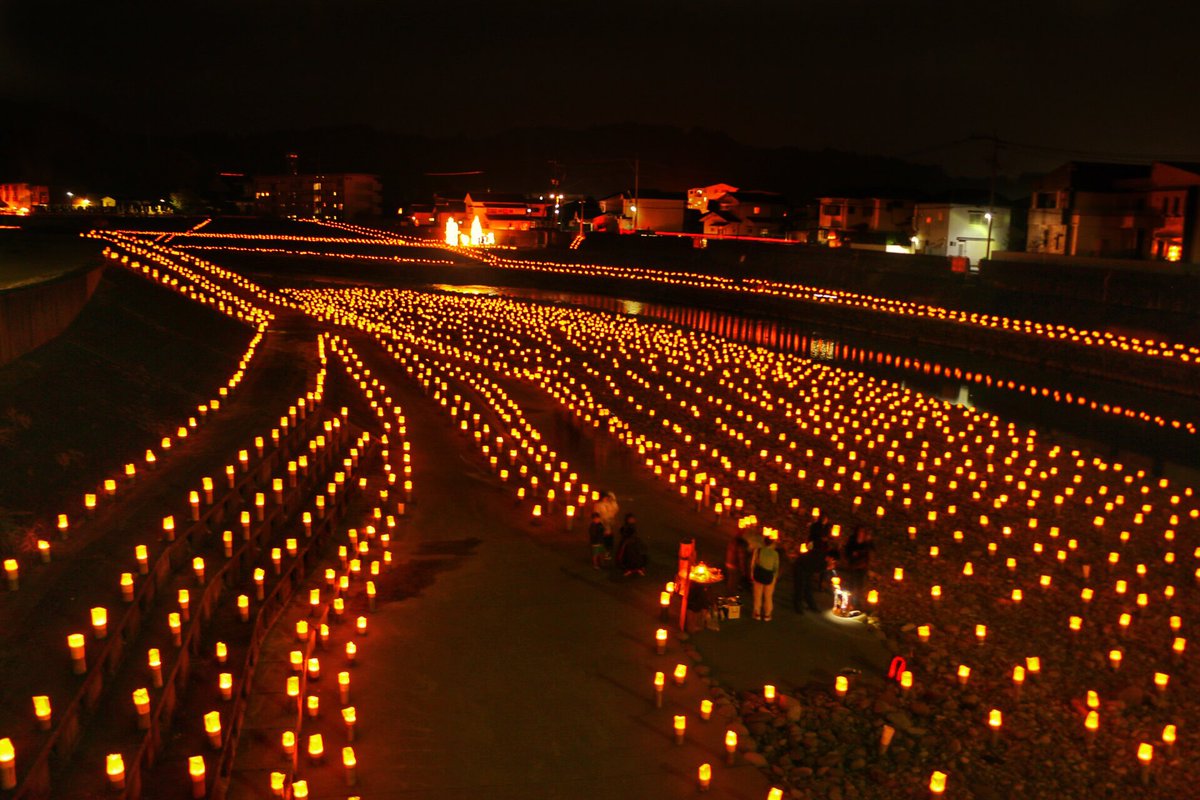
x=814, y=564
x=628, y=552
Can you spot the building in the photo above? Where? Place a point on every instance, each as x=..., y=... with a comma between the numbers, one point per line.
x=1099, y=210
x=1172, y=209
x=741, y=213
x=698, y=198
x=864, y=220
x=970, y=231
x=646, y=210
x=23, y=198
x=507, y=212
x=1090, y=209
x=343, y=195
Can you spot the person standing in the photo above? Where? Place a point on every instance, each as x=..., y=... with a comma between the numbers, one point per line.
x=608, y=508
x=764, y=572
x=856, y=558
x=596, y=540
x=808, y=569
x=737, y=557
x=631, y=554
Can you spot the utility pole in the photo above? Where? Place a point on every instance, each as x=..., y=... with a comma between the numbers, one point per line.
x=636, y=201
x=991, y=212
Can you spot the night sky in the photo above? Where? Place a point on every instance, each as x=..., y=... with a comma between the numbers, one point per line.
x=1076, y=77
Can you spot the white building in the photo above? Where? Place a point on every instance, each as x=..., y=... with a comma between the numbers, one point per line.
x=960, y=229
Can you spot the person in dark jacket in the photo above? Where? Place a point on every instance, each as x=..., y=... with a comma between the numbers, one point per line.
x=856, y=560
x=596, y=540
x=631, y=553
x=809, y=567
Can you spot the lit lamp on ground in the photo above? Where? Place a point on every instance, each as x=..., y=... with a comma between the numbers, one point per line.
x=680, y=727
x=12, y=573
x=1145, y=755
x=350, y=718
x=659, y=681
x=706, y=708
x=154, y=661
x=196, y=772
x=660, y=640
x=704, y=776
x=41, y=710
x=212, y=727
x=937, y=784
x=731, y=745
x=75, y=643
x=100, y=622
x=114, y=768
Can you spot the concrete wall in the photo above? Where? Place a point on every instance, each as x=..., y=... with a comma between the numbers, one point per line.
x=30, y=316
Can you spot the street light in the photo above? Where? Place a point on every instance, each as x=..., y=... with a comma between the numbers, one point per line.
x=988, y=253
x=633, y=209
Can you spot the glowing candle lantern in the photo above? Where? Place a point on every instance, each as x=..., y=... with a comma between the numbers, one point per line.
x=78, y=653
x=1160, y=681
x=995, y=721
x=936, y=592
x=196, y=771
x=841, y=686
x=923, y=632
x=769, y=694
x=212, y=727
x=1145, y=755
x=198, y=569
x=8, y=766
x=906, y=680
x=964, y=673
x=313, y=705
x=680, y=728
x=680, y=674
x=660, y=640
x=64, y=525
x=41, y=710
x=1075, y=624
x=898, y=574
x=351, y=652
x=260, y=577
x=731, y=744
x=278, y=784
x=349, y=717
x=316, y=748
x=1016, y=595
x=114, y=768
x=100, y=622
x=43, y=548
x=704, y=776
x=168, y=527
x=1168, y=736
x=176, y=626
x=1093, y=699
x=360, y=626
x=225, y=685
x=154, y=662
x=12, y=571
x=288, y=742
x=706, y=708
x=89, y=502
x=980, y=633
x=1033, y=665
x=937, y=784
x=659, y=681
x=185, y=604
x=143, y=559
x=1114, y=659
